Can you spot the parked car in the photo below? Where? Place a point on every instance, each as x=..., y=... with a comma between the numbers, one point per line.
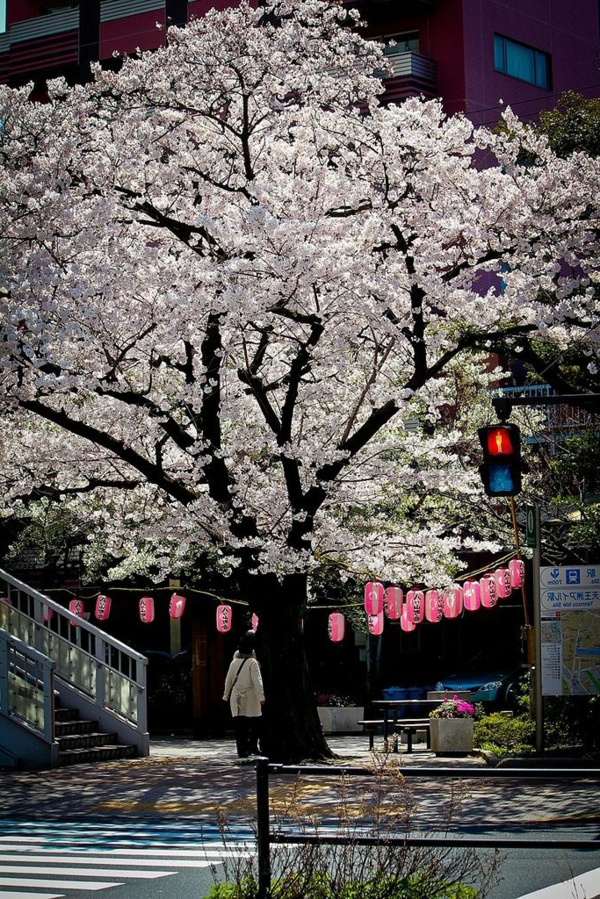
x=486, y=681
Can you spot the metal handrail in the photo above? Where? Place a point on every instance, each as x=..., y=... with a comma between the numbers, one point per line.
x=100, y=669
x=265, y=836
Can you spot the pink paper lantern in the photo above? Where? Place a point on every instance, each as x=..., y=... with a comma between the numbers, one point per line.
x=489, y=596
x=176, y=606
x=375, y=624
x=224, y=616
x=254, y=622
x=393, y=603
x=472, y=596
x=453, y=602
x=415, y=605
x=47, y=613
x=103, y=604
x=373, y=598
x=405, y=624
x=77, y=608
x=516, y=568
x=433, y=606
x=6, y=600
x=336, y=627
x=146, y=607
x=503, y=585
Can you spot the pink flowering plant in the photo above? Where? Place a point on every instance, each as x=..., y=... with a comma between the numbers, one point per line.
x=453, y=708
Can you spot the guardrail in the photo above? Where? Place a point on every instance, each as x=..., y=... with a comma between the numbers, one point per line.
x=266, y=837
x=99, y=673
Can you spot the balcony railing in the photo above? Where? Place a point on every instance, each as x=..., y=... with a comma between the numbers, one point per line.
x=412, y=65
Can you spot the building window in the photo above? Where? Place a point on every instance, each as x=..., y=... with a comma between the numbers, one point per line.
x=2, y=16
x=522, y=62
x=407, y=42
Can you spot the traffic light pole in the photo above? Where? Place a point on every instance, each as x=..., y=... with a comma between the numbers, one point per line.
x=513, y=512
x=537, y=631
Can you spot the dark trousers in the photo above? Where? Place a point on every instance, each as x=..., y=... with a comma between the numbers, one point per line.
x=247, y=731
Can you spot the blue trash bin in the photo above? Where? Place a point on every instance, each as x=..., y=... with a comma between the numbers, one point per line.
x=396, y=693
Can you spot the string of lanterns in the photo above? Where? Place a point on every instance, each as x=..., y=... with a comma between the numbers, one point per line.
x=147, y=611
x=431, y=605
x=379, y=603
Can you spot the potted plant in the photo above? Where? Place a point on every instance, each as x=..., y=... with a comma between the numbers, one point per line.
x=339, y=714
x=452, y=725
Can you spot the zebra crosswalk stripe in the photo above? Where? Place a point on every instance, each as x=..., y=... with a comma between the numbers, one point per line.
x=93, y=856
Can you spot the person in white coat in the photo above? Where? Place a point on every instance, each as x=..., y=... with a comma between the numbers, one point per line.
x=245, y=693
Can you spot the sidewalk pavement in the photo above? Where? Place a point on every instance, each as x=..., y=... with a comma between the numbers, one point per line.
x=203, y=779
x=180, y=777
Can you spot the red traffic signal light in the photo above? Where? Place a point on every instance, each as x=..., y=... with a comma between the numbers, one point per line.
x=501, y=468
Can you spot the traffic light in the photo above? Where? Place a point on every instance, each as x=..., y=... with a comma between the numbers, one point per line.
x=501, y=469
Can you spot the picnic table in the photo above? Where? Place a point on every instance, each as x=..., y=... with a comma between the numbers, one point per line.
x=401, y=722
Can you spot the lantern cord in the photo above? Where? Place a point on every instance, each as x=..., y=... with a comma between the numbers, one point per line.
x=513, y=512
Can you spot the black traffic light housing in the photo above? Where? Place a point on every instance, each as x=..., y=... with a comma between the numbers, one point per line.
x=501, y=468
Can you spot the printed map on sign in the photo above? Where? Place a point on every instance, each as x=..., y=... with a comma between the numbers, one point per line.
x=570, y=607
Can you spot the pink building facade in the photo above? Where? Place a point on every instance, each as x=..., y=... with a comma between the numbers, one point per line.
x=475, y=54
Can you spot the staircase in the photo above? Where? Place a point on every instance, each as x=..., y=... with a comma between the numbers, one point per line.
x=69, y=693
x=80, y=741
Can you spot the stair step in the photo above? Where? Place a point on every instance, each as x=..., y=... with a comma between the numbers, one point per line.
x=77, y=726
x=85, y=741
x=96, y=754
x=63, y=714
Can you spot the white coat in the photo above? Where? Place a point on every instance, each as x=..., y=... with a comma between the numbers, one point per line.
x=246, y=696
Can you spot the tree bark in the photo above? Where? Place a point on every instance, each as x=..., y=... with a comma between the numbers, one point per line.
x=291, y=729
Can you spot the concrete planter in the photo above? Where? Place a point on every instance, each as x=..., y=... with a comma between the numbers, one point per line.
x=452, y=736
x=341, y=720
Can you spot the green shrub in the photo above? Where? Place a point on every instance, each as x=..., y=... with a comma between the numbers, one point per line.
x=322, y=886
x=504, y=735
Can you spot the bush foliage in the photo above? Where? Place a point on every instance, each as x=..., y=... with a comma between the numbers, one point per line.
x=322, y=886
x=504, y=735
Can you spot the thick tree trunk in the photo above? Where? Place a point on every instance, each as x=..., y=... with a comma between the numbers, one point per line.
x=291, y=728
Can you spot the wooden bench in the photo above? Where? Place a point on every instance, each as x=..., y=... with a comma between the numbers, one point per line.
x=410, y=726
x=370, y=726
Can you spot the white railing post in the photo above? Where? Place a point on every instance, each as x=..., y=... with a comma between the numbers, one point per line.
x=101, y=656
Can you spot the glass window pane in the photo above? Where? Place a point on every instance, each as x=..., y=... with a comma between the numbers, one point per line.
x=499, y=61
x=520, y=62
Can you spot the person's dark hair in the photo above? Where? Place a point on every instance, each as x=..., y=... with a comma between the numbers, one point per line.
x=246, y=645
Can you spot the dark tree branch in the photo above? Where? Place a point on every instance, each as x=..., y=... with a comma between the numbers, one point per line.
x=130, y=398
x=151, y=472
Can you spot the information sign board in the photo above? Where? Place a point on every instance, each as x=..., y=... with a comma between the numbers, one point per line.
x=570, y=630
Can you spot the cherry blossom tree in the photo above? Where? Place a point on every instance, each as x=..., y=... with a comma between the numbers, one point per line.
x=232, y=281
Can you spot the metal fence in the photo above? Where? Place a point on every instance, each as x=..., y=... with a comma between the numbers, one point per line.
x=266, y=836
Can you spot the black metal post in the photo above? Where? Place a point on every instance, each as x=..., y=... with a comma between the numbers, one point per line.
x=263, y=828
